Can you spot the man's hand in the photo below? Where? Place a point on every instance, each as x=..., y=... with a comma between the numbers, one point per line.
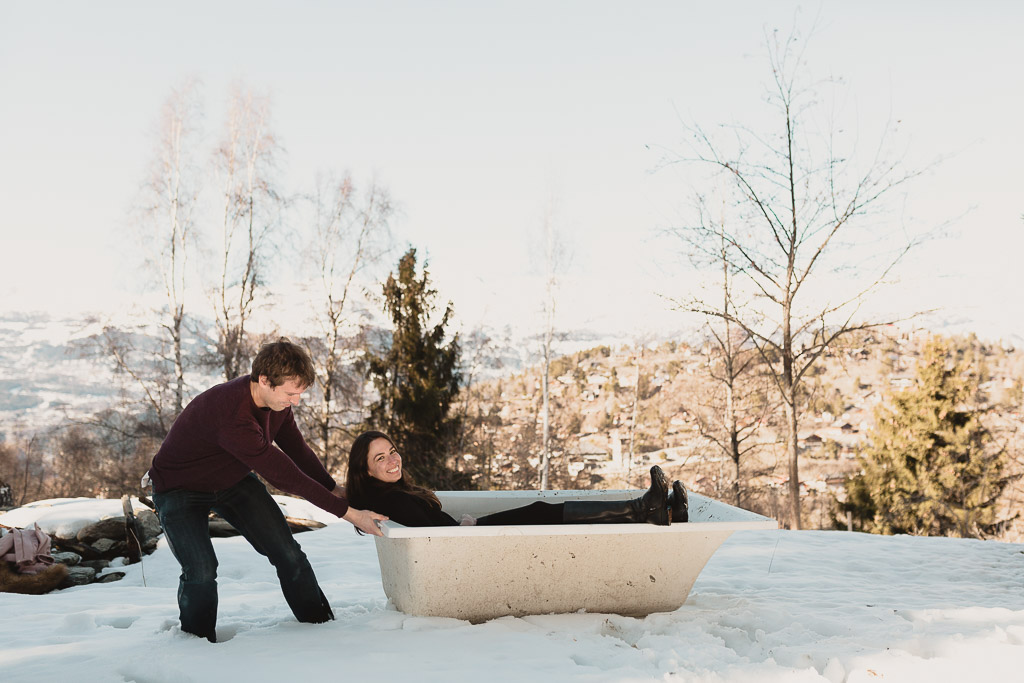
x=365, y=520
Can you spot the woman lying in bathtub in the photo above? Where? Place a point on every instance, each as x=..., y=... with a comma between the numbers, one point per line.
x=376, y=482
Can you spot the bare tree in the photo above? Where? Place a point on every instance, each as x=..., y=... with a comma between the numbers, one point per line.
x=350, y=232
x=169, y=199
x=6, y=495
x=476, y=409
x=24, y=469
x=554, y=257
x=732, y=414
x=801, y=207
x=152, y=363
x=639, y=345
x=245, y=160
x=732, y=419
x=9, y=467
x=145, y=389
x=76, y=464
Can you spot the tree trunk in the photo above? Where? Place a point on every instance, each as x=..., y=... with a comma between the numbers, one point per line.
x=792, y=449
x=179, y=366
x=730, y=421
x=736, y=483
x=546, y=458
x=325, y=424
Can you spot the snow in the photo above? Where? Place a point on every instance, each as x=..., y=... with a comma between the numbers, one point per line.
x=769, y=606
x=65, y=517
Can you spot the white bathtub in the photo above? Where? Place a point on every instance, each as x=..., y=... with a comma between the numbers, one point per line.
x=479, y=573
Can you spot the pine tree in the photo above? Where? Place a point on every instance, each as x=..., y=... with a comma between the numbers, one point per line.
x=417, y=378
x=931, y=467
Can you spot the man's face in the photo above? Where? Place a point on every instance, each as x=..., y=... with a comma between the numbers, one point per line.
x=284, y=395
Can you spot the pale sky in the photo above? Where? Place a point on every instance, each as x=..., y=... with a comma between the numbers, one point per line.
x=473, y=114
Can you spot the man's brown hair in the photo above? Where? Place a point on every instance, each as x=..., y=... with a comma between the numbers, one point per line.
x=282, y=360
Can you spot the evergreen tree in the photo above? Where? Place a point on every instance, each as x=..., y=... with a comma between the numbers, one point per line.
x=417, y=378
x=931, y=467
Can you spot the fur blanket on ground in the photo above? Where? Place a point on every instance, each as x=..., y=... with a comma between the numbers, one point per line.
x=31, y=584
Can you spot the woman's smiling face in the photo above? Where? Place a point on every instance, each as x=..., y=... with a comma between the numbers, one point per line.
x=383, y=461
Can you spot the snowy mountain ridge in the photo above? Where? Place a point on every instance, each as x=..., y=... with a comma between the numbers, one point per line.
x=50, y=369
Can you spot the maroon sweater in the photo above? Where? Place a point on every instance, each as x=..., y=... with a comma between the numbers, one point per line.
x=221, y=436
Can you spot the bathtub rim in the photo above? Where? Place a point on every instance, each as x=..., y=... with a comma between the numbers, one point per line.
x=392, y=529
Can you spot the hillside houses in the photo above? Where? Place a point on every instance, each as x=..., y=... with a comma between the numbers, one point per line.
x=594, y=430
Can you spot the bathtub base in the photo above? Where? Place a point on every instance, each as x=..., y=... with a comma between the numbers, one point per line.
x=481, y=573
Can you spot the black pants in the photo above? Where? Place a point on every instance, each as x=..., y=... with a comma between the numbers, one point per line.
x=248, y=507
x=535, y=513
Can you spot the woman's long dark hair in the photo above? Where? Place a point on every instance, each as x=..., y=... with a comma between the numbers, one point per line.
x=360, y=486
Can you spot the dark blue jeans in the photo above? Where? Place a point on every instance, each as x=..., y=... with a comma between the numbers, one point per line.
x=248, y=507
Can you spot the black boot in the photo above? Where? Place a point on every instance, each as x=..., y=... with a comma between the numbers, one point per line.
x=679, y=502
x=652, y=507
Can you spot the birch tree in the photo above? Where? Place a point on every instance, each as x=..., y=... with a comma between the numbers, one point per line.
x=553, y=258
x=731, y=415
x=350, y=231
x=169, y=200
x=245, y=162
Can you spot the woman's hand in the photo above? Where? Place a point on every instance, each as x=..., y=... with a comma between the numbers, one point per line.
x=365, y=520
x=468, y=520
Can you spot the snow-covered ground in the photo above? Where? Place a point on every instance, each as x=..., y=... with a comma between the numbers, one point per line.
x=769, y=606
